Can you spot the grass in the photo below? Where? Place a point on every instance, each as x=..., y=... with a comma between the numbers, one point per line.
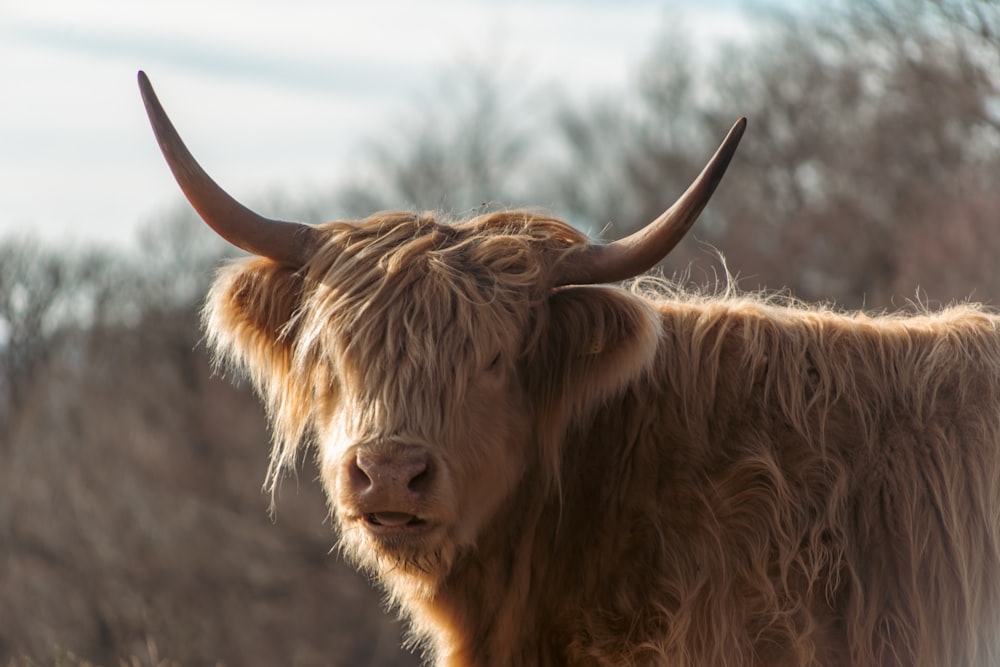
x=65, y=658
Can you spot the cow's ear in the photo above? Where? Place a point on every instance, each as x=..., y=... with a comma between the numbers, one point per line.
x=596, y=341
x=248, y=317
x=251, y=317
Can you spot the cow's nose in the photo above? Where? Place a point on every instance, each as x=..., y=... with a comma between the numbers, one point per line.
x=394, y=473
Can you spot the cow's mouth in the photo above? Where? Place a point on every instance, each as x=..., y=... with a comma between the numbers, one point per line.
x=393, y=521
x=406, y=544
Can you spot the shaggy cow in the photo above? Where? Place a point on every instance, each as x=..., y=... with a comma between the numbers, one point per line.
x=544, y=471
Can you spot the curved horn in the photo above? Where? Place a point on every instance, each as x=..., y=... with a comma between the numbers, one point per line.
x=286, y=242
x=640, y=251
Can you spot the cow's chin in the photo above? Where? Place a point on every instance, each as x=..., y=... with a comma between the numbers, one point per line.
x=411, y=553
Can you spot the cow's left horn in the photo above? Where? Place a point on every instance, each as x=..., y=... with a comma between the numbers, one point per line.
x=640, y=251
x=286, y=242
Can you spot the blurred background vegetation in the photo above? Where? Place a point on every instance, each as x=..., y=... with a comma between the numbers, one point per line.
x=133, y=529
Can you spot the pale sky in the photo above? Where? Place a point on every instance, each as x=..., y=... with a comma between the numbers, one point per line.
x=271, y=97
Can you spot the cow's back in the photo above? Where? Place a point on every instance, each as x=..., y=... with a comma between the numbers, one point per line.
x=865, y=448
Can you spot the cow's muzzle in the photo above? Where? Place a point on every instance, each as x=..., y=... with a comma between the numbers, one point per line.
x=389, y=485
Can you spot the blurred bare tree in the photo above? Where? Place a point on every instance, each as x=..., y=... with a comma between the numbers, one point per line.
x=132, y=520
x=625, y=158
x=46, y=299
x=461, y=148
x=873, y=141
x=891, y=107
x=28, y=282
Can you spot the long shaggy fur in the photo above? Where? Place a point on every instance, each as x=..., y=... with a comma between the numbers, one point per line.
x=638, y=476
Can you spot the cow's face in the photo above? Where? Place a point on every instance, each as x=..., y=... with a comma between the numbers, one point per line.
x=425, y=422
x=432, y=365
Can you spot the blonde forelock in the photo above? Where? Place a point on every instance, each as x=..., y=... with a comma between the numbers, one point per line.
x=399, y=310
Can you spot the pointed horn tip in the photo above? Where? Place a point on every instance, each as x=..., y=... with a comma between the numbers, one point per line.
x=735, y=132
x=144, y=84
x=740, y=126
x=149, y=98
x=719, y=162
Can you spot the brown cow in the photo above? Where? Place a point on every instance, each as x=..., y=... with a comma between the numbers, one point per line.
x=544, y=471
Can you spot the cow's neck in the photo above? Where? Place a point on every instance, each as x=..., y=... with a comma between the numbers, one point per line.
x=516, y=598
x=488, y=611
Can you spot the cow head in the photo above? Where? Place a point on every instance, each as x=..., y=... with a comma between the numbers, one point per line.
x=433, y=365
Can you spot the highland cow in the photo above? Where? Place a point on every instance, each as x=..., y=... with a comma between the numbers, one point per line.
x=542, y=469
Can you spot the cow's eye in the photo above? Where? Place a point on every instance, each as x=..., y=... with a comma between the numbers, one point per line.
x=495, y=363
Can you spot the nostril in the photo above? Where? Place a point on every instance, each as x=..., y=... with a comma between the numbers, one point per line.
x=421, y=481
x=359, y=478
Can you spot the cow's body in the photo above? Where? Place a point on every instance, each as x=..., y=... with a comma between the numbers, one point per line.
x=785, y=487
x=541, y=470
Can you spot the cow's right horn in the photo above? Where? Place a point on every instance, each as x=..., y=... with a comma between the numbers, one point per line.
x=640, y=251
x=287, y=242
